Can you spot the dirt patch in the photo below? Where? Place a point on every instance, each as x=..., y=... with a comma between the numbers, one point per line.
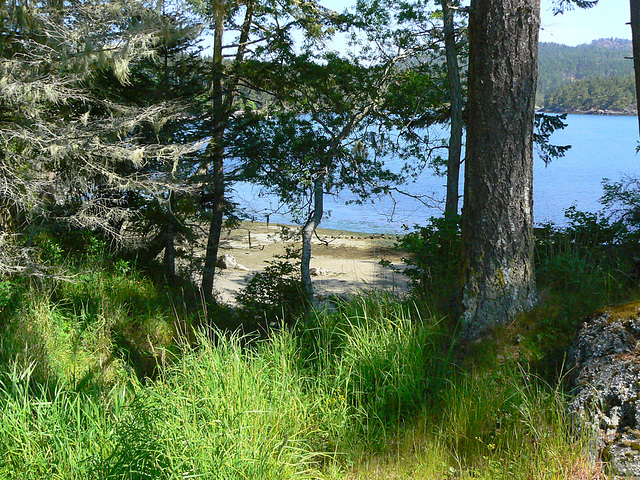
x=350, y=261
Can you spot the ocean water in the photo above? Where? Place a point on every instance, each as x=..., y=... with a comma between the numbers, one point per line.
x=602, y=147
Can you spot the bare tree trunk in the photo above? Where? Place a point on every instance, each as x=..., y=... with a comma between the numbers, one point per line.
x=455, y=92
x=216, y=148
x=307, y=233
x=635, y=36
x=497, y=218
x=223, y=97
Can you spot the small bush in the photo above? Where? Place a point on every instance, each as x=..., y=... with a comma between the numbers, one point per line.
x=9, y=294
x=434, y=261
x=274, y=296
x=590, y=260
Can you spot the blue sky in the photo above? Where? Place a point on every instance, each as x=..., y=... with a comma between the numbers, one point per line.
x=607, y=19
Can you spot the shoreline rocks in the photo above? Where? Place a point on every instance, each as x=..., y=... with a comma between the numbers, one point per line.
x=229, y=262
x=605, y=378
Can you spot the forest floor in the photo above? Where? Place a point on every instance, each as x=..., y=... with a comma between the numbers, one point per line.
x=348, y=262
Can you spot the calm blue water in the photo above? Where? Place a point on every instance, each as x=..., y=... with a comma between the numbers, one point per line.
x=602, y=147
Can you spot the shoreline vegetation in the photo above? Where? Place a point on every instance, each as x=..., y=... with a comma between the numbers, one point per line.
x=593, y=111
x=592, y=79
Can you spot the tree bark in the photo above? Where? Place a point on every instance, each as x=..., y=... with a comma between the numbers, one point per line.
x=223, y=97
x=215, y=229
x=497, y=218
x=635, y=38
x=455, y=93
x=307, y=233
x=216, y=148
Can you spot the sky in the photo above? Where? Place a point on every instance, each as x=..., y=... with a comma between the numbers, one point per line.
x=605, y=20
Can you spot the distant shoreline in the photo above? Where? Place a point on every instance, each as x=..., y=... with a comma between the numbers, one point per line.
x=245, y=224
x=604, y=113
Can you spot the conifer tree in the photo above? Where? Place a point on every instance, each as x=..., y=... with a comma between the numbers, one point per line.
x=68, y=151
x=497, y=217
x=245, y=35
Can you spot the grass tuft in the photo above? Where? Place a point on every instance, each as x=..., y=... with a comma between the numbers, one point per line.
x=96, y=383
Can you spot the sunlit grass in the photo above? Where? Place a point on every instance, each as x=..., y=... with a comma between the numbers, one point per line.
x=77, y=332
x=367, y=390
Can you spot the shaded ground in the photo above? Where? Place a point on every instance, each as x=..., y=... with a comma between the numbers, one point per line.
x=350, y=260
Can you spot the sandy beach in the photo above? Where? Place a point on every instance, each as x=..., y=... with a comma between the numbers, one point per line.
x=346, y=262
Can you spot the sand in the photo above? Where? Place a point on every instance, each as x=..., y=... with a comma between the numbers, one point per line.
x=348, y=262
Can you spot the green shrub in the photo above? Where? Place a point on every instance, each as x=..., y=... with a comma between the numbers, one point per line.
x=434, y=261
x=274, y=296
x=9, y=295
x=589, y=260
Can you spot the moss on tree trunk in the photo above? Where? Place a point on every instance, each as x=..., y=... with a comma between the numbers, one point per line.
x=497, y=217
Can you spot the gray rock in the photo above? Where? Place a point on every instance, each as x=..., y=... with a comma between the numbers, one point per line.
x=317, y=271
x=605, y=363
x=226, y=261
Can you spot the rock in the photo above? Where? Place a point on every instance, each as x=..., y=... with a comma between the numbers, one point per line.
x=605, y=362
x=226, y=261
x=241, y=267
x=316, y=271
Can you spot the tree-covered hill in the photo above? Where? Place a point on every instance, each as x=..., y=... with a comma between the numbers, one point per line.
x=594, y=95
x=592, y=67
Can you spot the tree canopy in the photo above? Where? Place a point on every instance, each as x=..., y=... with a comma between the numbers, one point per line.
x=69, y=147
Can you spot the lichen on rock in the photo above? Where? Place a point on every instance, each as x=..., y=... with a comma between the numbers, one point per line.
x=605, y=374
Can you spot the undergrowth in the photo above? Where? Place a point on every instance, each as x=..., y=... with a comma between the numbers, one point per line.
x=107, y=374
x=371, y=381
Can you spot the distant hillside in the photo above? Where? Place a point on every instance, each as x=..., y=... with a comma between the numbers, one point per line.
x=599, y=62
x=600, y=95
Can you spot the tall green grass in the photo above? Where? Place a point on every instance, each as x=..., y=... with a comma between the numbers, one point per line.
x=107, y=375
x=92, y=329
x=380, y=356
x=371, y=382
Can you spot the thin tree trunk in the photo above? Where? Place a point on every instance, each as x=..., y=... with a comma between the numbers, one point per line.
x=215, y=229
x=169, y=258
x=455, y=93
x=307, y=233
x=216, y=149
x=223, y=97
x=635, y=36
x=318, y=205
x=497, y=218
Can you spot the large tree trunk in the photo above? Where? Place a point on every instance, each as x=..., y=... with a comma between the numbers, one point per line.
x=635, y=36
x=455, y=93
x=497, y=218
x=307, y=233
